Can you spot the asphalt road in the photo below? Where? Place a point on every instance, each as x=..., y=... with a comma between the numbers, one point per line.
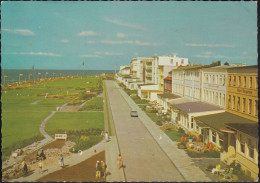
x=143, y=158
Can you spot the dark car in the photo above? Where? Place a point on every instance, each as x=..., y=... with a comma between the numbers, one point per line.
x=133, y=114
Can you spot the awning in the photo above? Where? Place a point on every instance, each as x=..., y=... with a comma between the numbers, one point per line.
x=202, y=125
x=227, y=130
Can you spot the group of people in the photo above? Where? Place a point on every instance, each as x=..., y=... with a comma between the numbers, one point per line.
x=101, y=169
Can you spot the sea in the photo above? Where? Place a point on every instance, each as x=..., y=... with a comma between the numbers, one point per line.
x=14, y=75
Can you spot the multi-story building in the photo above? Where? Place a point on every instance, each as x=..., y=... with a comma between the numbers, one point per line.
x=214, y=85
x=236, y=130
x=242, y=92
x=136, y=68
x=156, y=68
x=168, y=83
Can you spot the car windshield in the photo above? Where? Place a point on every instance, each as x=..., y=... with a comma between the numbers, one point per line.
x=134, y=112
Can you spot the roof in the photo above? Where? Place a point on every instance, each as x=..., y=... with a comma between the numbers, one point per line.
x=244, y=69
x=221, y=68
x=200, y=67
x=249, y=129
x=168, y=95
x=192, y=107
x=168, y=78
x=178, y=101
x=185, y=67
x=219, y=120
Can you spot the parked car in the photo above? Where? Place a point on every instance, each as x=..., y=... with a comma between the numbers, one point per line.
x=134, y=114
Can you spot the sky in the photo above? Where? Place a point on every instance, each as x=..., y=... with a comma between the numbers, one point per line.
x=104, y=35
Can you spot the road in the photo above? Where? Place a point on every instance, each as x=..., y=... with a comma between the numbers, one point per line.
x=143, y=158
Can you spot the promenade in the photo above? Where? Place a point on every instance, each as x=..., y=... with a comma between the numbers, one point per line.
x=178, y=157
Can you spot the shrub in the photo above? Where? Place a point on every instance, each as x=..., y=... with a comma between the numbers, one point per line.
x=159, y=123
x=6, y=152
x=181, y=131
x=181, y=145
x=84, y=143
x=208, y=154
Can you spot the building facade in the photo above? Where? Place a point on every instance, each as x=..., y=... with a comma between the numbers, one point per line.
x=242, y=92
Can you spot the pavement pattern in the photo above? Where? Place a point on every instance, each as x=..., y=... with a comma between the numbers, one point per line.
x=143, y=158
x=178, y=157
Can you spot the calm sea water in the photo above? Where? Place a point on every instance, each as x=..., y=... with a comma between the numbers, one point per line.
x=13, y=74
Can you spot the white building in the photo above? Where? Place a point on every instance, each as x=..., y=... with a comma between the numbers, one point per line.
x=214, y=85
x=156, y=69
x=136, y=68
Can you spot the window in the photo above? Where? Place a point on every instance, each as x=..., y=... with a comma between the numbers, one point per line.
x=191, y=123
x=250, y=148
x=250, y=82
x=213, y=79
x=256, y=108
x=238, y=104
x=207, y=78
x=171, y=61
x=214, y=136
x=220, y=101
x=221, y=140
x=220, y=79
x=217, y=79
x=229, y=101
x=229, y=80
x=182, y=61
x=242, y=144
x=250, y=106
x=224, y=80
x=223, y=100
x=239, y=81
x=234, y=81
x=256, y=82
x=233, y=104
x=244, y=81
x=244, y=105
x=177, y=63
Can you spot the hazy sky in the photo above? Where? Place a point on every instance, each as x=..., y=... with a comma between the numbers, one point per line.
x=61, y=35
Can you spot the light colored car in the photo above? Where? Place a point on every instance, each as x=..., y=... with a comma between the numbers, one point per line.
x=134, y=114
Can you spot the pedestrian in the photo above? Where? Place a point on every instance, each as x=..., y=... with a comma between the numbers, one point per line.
x=103, y=166
x=98, y=170
x=119, y=161
x=106, y=136
x=40, y=166
x=61, y=161
x=25, y=167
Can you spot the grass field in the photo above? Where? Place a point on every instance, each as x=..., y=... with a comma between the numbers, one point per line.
x=95, y=104
x=174, y=135
x=74, y=121
x=85, y=82
x=21, y=118
x=20, y=126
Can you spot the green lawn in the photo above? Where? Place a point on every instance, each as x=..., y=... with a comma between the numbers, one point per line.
x=26, y=104
x=85, y=82
x=18, y=126
x=95, y=104
x=75, y=121
x=174, y=135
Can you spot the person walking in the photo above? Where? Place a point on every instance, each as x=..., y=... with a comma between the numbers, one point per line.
x=40, y=166
x=103, y=166
x=25, y=168
x=119, y=161
x=61, y=161
x=98, y=170
x=106, y=136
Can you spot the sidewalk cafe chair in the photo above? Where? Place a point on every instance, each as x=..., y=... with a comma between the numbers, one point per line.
x=228, y=175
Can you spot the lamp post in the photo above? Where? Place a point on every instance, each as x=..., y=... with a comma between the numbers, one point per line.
x=5, y=76
x=20, y=77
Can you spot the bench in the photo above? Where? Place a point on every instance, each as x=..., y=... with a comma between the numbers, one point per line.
x=61, y=136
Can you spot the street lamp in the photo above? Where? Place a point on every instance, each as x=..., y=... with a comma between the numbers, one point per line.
x=5, y=76
x=19, y=77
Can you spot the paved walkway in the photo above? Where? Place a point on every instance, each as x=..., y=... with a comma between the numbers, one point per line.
x=69, y=161
x=179, y=158
x=143, y=158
